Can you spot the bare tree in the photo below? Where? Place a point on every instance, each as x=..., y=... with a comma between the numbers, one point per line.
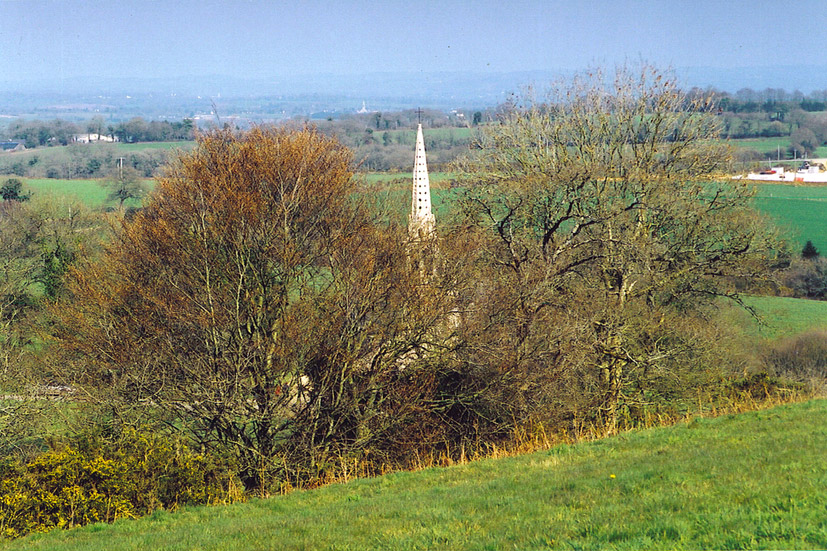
x=604, y=220
x=256, y=302
x=124, y=184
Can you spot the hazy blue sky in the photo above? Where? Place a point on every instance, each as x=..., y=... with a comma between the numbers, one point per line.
x=114, y=38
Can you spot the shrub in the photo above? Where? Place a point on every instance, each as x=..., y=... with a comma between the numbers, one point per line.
x=801, y=358
x=95, y=481
x=809, y=251
x=12, y=191
x=761, y=386
x=807, y=278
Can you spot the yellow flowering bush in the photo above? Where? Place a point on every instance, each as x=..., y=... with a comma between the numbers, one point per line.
x=96, y=482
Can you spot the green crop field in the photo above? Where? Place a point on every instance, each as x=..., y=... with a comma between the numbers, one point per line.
x=402, y=180
x=145, y=146
x=751, y=481
x=801, y=211
x=89, y=192
x=764, y=145
x=392, y=190
x=455, y=135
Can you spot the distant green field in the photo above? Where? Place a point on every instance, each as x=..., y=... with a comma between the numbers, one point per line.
x=144, y=146
x=89, y=192
x=404, y=179
x=779, y=317
x=764, y=145
x=751, y=481
x=408, y=136
x=801, y=211
x=772, y=147
x=393, y=191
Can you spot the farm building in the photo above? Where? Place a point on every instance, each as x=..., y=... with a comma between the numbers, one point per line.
x=89, y=138
x=12, y=146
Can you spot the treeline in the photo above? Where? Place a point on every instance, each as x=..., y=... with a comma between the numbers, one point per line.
x=770, y=100
x=381, y=141
x=38, y=133
x=95, y=160
x=384, y=141
x=772, y=113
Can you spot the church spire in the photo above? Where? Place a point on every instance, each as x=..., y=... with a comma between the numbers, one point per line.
x=421, y=222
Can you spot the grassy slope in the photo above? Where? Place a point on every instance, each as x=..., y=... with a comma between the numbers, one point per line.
x=781, y=317
x=145, y=146
x=756, y=480
x=62, y=153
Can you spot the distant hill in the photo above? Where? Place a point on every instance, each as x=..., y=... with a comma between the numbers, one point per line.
x=285, y=96
x=805, y=78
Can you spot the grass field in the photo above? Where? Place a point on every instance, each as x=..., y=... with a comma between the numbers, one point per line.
x=770, y=146
x=144, y=146
x=752, y=481
x=801, y=212
x=402, y=180
x=408, y=136
x=779, y=317
x=89, y=192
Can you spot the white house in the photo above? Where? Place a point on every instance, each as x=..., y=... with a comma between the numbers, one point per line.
x=88, y=138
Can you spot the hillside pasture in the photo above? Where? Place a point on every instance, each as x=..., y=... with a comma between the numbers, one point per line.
x=61, y=153
x=799, y=210
x=778, y=317
x=92, y=160
x=749, y=481
x=148, y=146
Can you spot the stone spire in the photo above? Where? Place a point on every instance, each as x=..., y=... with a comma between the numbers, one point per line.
x=421, y=222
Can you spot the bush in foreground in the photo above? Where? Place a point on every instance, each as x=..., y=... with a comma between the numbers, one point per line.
x=95, y=481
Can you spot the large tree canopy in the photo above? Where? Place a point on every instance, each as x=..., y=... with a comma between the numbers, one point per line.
x=605, y=231
x=255, y=301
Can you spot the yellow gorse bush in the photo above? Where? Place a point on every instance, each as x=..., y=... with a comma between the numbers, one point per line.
x=70, y=487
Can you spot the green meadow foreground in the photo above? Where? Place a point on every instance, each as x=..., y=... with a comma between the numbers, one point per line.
x=754, y=480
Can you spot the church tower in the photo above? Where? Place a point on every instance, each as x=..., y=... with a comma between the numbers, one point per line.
x=421, y=222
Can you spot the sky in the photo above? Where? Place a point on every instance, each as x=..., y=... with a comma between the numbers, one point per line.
x=63, y=39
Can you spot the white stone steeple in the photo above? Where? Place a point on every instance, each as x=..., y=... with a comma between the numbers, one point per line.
x=421, y=222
